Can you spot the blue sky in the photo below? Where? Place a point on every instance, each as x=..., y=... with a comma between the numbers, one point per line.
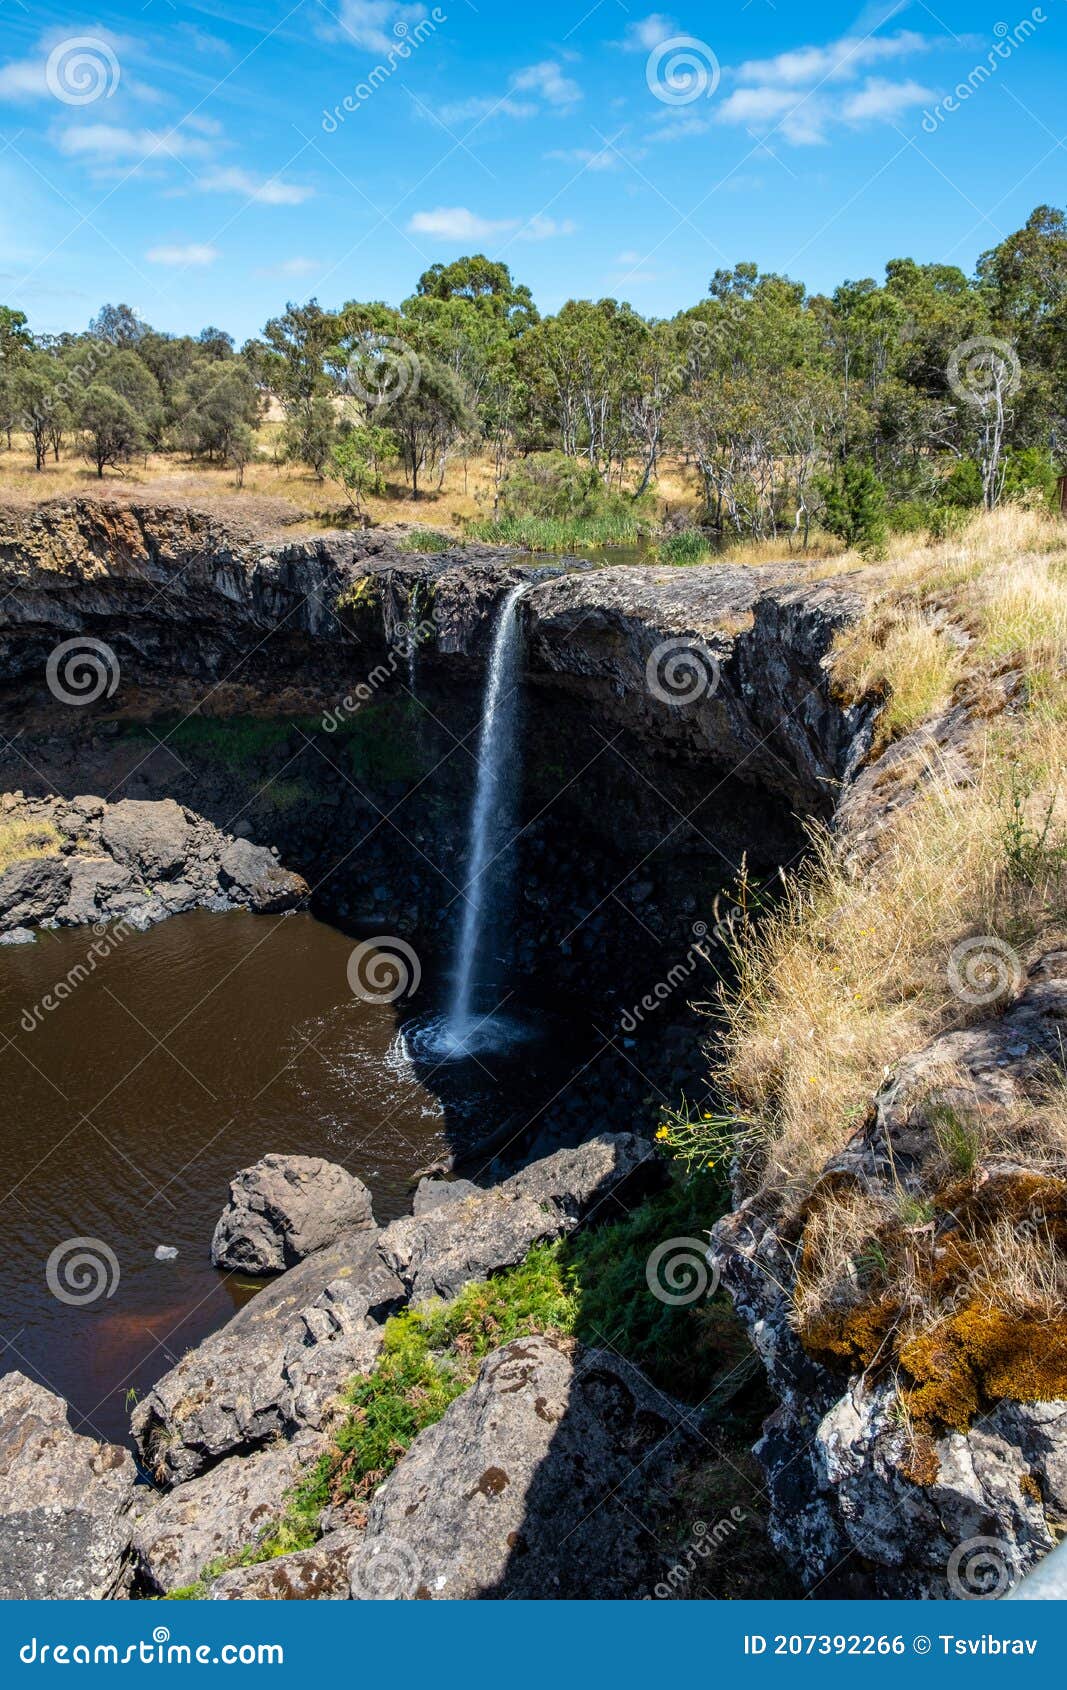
x=199, y=161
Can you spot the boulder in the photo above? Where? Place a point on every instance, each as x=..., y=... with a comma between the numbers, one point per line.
x=218, y=1514
x=438, y=1251
x=280, y=1363
x=151, y=836
x=66, y=1501
x=284, y=1207
x=251, y=876
x=539, y=1482
x=320, y=1573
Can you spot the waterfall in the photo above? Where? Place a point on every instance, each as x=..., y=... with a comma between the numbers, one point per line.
x=492, y=816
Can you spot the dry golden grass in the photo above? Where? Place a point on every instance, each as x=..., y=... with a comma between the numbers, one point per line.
x=849, y=974
x=22, y=839
x=904, y=655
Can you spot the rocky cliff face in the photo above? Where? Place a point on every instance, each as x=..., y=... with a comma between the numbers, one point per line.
x=678, y=719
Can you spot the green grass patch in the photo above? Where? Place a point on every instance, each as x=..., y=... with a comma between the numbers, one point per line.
x=427, y=540
x=689, y=545
x=592, y=1286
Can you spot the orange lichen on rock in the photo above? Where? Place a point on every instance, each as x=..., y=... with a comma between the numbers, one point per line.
x=978, y=1356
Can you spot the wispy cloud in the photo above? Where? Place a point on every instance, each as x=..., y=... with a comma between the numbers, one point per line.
x=547, y=80
x=176, y=256
x=607, y=158
x=801, y=94
x=487, y=105
x=647, y=33
x=879, y=100
x=291, y=267
x=837, y=61
x=265, y=190
x=114, y=143
x=545, y=229
x=376, y=25
x=457, y=223
x=540, y=87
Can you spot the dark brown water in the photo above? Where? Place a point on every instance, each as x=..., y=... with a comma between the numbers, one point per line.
x=191, y=1051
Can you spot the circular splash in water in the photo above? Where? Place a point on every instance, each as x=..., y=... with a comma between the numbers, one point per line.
x=441, y=1039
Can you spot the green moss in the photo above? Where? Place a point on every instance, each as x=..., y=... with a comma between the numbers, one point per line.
x=358, y=596
x=236, y=742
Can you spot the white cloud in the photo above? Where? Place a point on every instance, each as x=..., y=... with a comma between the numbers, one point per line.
x=456, y=223
x=23, y=79
x=604, y=159
x=480, y=106
x=549, y=81
x=271, y=190
x=97, y=56
x=373, y=23
x=838, y=61
x=648, y=32
x=799, y=93
x=291, y=267
x=545, y=229
x=194, y=253
x=112, y=143
x=884, y=100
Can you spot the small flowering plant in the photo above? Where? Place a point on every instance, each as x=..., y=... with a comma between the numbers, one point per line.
x=704, y=1141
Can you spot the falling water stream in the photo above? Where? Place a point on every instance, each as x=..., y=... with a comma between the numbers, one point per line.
x=492, y=819
x=470, y=1023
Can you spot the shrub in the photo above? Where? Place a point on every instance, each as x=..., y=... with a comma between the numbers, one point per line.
x=688, y=545
x=855, y=506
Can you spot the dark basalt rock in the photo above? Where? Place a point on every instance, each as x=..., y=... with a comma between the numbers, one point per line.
x=138, y=860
